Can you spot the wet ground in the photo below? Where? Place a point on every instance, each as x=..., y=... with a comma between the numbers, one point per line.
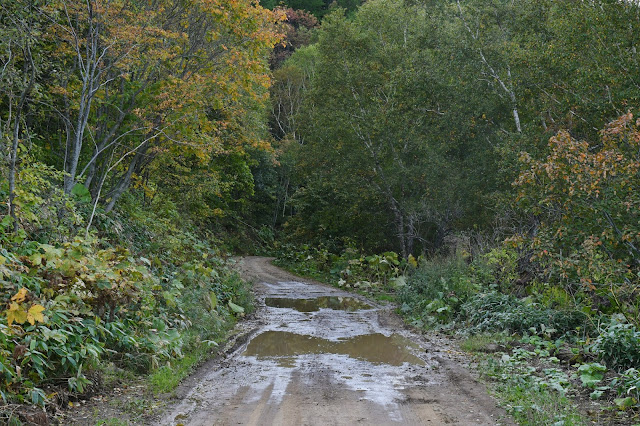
x=315, y=355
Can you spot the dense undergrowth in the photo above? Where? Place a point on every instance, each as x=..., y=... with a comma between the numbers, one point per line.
x=546, y=346
x=140, y=292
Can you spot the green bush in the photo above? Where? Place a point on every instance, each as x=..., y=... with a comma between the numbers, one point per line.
x=436, y=290
x=496, y=312
x=618, y=345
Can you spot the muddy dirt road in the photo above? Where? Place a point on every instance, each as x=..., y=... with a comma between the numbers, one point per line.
x=315, y=355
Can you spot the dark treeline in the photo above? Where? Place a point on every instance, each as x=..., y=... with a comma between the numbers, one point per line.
x=409, y=123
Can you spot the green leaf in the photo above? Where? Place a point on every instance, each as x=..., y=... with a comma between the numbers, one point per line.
x=236, y=308
x=624, y=403
x=398, y=281
x=81, y=193
x=213, y=300
x=596, y=394
x=591, y=374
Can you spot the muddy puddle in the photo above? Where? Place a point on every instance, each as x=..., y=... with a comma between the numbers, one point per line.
x=315, y=304
x=374, y=348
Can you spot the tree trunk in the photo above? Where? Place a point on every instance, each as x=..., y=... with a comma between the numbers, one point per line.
x=28, y=81
x=125, y=180
x=91, y=67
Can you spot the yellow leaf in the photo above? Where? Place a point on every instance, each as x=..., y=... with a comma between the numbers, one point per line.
x=20, y=295
x=16, y=314
x=35, y=314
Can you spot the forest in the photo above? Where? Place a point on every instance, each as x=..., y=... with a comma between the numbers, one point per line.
x=475, y=162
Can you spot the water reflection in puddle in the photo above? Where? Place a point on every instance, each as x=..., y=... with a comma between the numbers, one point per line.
x=374, y=348
x=312, y=305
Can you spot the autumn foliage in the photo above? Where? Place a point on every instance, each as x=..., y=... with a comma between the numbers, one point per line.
x=585, y=197
x=97, y=97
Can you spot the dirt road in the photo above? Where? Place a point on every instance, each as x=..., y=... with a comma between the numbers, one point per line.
x=316, y=355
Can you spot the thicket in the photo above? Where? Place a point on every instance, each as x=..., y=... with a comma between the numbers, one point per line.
x=130, y=135
x=139, y=293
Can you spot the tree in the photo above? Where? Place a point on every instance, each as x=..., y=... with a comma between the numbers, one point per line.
x=19, y=70
x=297, y=30
x=584, y=195
x=154, y=79
x=371, y=133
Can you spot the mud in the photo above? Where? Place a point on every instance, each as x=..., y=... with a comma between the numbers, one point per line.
x=312, y=305
x=374, y=348
x=316, y=355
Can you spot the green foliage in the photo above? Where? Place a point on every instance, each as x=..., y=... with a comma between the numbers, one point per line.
x=441, y=292
x=71, y=304
x=495, y=311
x=591, y=374
x=532, y=395
x=618, y=345
x=627, y=385
x=349, y=269
x=168, y=376
x=370, y=158
x=436, y=290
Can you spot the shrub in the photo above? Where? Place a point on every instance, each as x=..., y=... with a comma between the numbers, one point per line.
x=436, y=290
x=585, y=196
x=618, y=344
x=493, y=312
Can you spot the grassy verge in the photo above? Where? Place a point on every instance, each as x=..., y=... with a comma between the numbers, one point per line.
x=532, y=387
x=166, y=378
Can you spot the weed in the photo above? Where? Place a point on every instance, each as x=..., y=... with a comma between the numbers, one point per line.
x=495, y=311
x=436, y=290
x=168, y=377
x=618, y=344
x=532, y=396
x=483, y=342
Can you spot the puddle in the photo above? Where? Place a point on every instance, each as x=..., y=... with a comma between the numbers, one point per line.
x=312, y=305
x=374, y=348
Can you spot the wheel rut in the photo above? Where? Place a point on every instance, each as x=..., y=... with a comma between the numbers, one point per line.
x=317, y=355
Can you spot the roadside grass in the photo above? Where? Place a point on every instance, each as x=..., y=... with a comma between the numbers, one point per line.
x=167, y=378
x=529, y=405
x=530, y=386
x=528, y=398
x=484, y=342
